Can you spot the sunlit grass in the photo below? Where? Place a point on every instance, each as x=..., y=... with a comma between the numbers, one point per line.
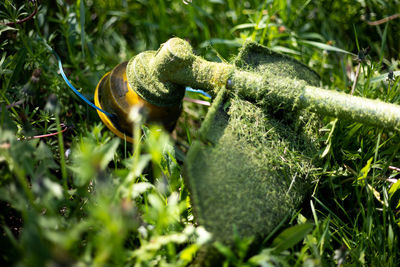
x=95, y=200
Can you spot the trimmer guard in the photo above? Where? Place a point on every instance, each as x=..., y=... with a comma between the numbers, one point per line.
x=253, y=163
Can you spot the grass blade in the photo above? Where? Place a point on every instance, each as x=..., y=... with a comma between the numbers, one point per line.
x=326, y=47
x=82, y=20
x=291, y=236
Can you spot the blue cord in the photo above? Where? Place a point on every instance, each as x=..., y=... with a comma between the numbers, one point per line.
x=71, y=86
x=77, y=92
x=189, y=89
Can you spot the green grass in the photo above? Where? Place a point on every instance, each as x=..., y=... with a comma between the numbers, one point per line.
x=88, y=198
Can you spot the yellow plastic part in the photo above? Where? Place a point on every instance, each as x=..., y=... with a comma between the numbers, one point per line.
x=105, y=118
x=115, y=95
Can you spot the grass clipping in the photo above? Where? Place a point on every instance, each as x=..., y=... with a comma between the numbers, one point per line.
x=253, y=163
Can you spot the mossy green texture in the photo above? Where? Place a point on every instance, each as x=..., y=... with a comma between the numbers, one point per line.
x=340, y=105
x=250, y=173
x=250, y=167
x=278, y=82
x=141, y=77
x=256, y=57
x=159, y=76
x=269, y=79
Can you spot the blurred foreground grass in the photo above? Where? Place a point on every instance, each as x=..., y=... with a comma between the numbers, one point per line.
x=95, y=200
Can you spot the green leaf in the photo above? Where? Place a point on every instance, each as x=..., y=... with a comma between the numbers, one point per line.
x=139, y=188
x=364, y=171
x=384, y=77
x=43, y=152
x=20, y=61
x=311, y=35
x=243, y=26
x=266, y=258
x=108, y=152
x=82, y=21
x=285, y=50
x=136, y=167
x=326, y=47
x=376, y=194
x=394, y=187
x=326, y=150
x=226, y=251
x=394, y=193
x=188, y=253
x=54, y=188
x=229, y=43
x=328, y=140
x=89, y=159
x=291, y=236
x=6, y=28
x=7, y=124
